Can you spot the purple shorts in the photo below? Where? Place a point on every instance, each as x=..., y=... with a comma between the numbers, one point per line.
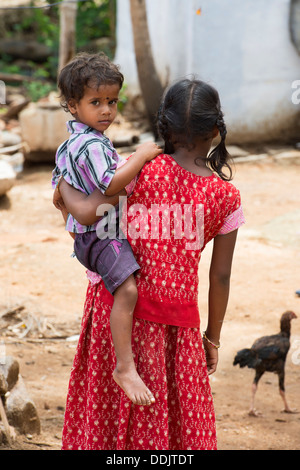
x=112, y=259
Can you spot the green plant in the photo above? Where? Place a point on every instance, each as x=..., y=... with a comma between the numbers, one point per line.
x=8, y=67
x=95, y=19
x=42, y=23
x=38, y=90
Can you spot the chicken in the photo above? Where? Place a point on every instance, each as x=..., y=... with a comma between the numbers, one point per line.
x=268, y=354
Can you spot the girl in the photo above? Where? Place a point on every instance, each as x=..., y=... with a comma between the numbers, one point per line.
x=90, y=86
x=171, y=356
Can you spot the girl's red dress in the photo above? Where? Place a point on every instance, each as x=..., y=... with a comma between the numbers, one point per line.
x=167, y=342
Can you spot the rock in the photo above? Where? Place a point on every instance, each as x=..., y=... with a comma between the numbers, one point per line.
x=7, y=177
x=4, y=440
x=43, y=128
x=8, y=139
x=15, y=107
x=125, y=139
x=275, y=149
x=236, y=151
x=290, y=157
x=251, y=158
x=122, y=133
x=21, y=411
x=29, y=49
x=3, y=385
x=16, y=160
x=2, y=435
x=9, y=369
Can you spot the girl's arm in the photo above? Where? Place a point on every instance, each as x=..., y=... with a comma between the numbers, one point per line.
x=82, y=207
x=133, y=166
x=219, y=284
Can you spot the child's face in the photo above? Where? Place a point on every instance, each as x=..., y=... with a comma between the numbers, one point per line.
x=98, y=107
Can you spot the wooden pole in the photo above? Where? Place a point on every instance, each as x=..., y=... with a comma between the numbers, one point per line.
x=67, y=38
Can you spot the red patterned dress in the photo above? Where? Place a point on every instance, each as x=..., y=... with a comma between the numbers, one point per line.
x=172, y=215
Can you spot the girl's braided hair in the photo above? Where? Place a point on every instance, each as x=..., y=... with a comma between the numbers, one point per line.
x=190, y=109
x=92, y=70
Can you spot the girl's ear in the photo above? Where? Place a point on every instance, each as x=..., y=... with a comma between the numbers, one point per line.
x=215, y=132
x=72, y=105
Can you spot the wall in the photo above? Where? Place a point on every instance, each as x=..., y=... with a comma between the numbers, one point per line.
x=242, y=48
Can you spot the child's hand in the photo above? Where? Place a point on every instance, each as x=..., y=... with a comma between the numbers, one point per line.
x=148, y=151
x=58, y=200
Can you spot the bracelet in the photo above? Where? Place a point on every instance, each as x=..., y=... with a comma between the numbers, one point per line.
x=210, y=342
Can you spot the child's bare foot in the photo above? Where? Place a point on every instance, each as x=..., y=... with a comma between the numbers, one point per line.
x=133, y=386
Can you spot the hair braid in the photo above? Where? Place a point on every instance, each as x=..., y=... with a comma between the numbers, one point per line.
x=219, y=156
x=164, y=129
x=221, y=125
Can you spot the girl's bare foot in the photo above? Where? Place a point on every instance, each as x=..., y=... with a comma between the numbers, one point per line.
x=133, y=386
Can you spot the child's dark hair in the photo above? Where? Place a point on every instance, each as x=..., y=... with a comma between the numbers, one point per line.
x=190, y=109
x=84, y=70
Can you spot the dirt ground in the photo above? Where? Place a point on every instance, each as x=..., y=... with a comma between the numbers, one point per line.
x=38, y=274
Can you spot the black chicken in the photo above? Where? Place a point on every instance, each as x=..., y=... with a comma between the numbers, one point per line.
x=268, y=354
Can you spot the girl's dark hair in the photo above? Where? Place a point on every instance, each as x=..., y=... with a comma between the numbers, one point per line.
x=85, y=70
x=190, y=109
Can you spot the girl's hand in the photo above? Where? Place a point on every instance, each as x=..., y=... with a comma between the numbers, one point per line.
x=148, y=151
x=212, y=356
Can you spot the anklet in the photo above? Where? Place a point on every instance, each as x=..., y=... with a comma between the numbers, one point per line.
x=210, y=342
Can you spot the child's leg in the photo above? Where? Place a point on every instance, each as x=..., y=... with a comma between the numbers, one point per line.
x=125, y=373
x=110, y=258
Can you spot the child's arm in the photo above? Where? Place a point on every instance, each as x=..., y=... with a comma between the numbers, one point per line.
x=219, y=284
x=83, y=207
x=127, y=172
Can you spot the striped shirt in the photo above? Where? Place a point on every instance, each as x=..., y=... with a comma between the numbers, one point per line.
x=87, y=161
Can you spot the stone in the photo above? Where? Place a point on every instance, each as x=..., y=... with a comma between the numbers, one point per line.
x=236, y=151
x=29, y=49
x=2, y=435
x=21, y=411
x=16, y=160
x=15, y=107
x=252, y=158
x=289, y=157
x=9, y=369
x=8, y=139
x=43, y=129
x=7, y=177
x=3, y=385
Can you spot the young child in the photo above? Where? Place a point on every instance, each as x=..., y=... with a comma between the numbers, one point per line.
x=90, y=86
